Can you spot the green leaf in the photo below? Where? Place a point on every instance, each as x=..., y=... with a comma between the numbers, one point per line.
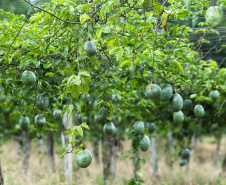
x=84, y=125
x=75, y=91
x=80, y=130
x=84, y=73
x=140, y=2
x=85, y=87
x=83, y=18
x=66, y=108
x=178, y=65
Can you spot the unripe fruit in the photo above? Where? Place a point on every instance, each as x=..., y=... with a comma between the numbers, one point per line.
x=109, y=128
x=138, y=127
x=144, y=143
x=24, y=123
x=57, y=114
x=42, y=102
x=90, y=48
x=178, y=117
x=176, y=102
x=185, y=154
x=214, y=95
x=188, y=105
x=167, y=92
x=28, y=78
x=84, y=158
x=153, y=91
x=40, y=120
x=214, y=16
x=151, y=127
x=182, y=162
x=199, y=111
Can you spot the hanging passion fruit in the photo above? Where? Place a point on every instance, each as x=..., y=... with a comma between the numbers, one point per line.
x=84, y=158
x=138, y=127
x=90, y=48
x=28, y=78
x=167, y=92
x=24, y=123
x=199, y=111
x=214, y=16
x=153, y=91
x=176, y=102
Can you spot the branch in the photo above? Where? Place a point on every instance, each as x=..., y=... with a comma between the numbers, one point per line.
x=219, y=110
x=18, y=33
x=69, y=22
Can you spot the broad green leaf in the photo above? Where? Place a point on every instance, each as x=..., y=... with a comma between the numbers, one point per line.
x=83, y=18
x=75, y=91
x=84, y=87
x=84, y=125
x=84, y=73
x=80, y=130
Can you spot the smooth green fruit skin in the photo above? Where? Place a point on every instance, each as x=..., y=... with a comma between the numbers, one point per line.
x=153, y=91
x=144, y=143
x=214, y=95
x=103, y=114
x=28, y=78
x=176, y=102
x=90, y=48
x=199, y=111
x=178, y=117
x=24, y=123
x=151, y=127
x=57, y=114
x=167, y=92
x=84, y=158
x=40, y=120
x=138, y=127
x=188, y=105
x=182, y=162
x=215, y=126
x=109, y=128
x=185, y=153
x=214, y=16
x=42, y=102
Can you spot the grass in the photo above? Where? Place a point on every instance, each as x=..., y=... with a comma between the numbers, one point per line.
x=201, y=173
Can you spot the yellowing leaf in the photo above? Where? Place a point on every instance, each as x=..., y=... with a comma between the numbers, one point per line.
x=178, y=65
x=110, y=43
x=83, y=18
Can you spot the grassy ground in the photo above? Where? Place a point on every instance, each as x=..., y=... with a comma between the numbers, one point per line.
x=201, y=173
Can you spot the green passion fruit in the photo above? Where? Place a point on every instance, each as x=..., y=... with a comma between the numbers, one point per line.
x=199, y=111
x=40, y=120
x=144, y=143
x=109, y=128
x=138, y=127
x=176, y=102
x=185, y=153
x=24, y=123
x=167, y=92
x=214, y=16
x=42, y=102
x=178, y=117
x=90, y=48
x=153, y=91
x=214, y=95
x=188, y=105
x=151, y=127
x=57, y=114
x=182, y=162
x=28, y=78
x=84, y=158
